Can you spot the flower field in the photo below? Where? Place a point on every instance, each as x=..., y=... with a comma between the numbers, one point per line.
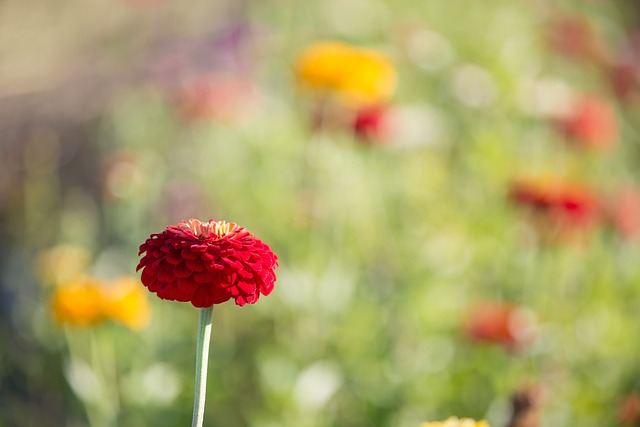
x=447, y=192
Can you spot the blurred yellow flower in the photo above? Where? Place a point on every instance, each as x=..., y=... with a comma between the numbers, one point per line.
x=353, y=75
x=455, y=422
x=126, y=301
x=87, y=301
x=79, y=302
x=62, y=263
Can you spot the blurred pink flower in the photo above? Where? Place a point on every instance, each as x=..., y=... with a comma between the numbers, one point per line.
x=218, y=97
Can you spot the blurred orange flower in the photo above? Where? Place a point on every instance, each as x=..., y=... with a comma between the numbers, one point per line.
x=352, y=75
x=591, y=123
x=455, y=422
x=126, y=301
x=79, y=302
x=500, y=323
x=87, y=301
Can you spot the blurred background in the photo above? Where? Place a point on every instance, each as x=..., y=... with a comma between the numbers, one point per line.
x=461, y=227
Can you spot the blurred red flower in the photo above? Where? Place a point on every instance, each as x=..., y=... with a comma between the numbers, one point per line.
x=625, y=79
x=559, y=208
x=624, y=70
x=622, y=211
x=591, y=123
x=500, y=323
x=373, y=123
x=629, y=409
x=207, y=263
x=572, y=203
x=573, y=36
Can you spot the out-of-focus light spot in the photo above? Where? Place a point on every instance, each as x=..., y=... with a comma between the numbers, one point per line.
x=473, y=86
x=62, y=263
x=524, y=324
x=418, y=125
x=83, y=380
x=428, y=49
x=448, y=253
x=545, y=96
x=277, y=374
x=123, y=176
x=600, y=326
x=356, y=17
x=161, y=384
x=336, y=289
x=434, y=354
x=316, y=385
x=296, y=287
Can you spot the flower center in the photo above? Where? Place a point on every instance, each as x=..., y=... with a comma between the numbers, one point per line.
x=210, y=229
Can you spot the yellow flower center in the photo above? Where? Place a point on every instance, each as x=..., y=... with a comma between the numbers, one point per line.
x=455, y=422
x=210, y=229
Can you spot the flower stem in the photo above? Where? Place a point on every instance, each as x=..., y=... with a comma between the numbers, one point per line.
x=202, y=359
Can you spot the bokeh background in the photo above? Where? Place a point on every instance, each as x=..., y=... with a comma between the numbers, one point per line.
x=471, y=236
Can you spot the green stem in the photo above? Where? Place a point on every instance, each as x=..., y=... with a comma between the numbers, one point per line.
x=202, y=359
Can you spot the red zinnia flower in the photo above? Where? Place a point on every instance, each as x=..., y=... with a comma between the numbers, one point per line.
x=592, y=123
x=207, y=263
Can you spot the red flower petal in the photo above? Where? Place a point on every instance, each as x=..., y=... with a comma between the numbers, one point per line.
x=207, y=263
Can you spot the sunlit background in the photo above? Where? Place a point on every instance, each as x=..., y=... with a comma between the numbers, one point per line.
x=452, y=188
